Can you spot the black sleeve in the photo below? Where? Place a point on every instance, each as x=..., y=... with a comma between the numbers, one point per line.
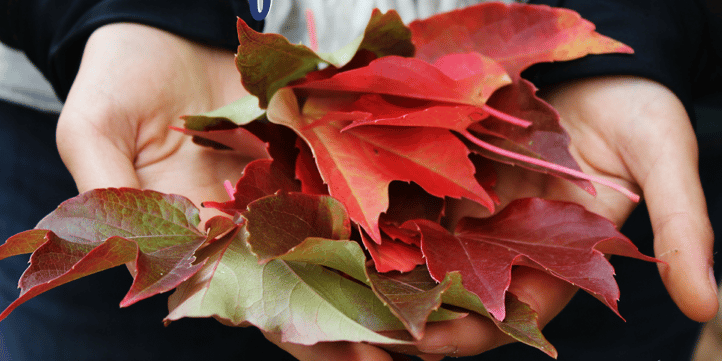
x=668, y=37
x=52, y=33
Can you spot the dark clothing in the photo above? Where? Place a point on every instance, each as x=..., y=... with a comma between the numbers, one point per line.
x=53, y=32
x=677, y=42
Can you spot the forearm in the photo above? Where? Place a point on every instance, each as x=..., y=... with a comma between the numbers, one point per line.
x=53, y=32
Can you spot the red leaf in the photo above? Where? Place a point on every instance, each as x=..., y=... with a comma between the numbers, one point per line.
x=384, y=110
x=260, y=178
x=557, y=237
x=451, y=81
x=306, y=171
x=515, y=35
x=276, y=224
x=545, y=139
x=359, y=164
x=238, y=139
x=391, y=255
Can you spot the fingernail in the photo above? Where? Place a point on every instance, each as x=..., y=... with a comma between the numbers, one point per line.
x=439, y=350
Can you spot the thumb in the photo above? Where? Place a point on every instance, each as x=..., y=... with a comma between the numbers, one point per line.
x=683, y=237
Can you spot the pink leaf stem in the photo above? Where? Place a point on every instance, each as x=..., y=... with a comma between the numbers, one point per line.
x=311, y=28
x=574, y=173
x=229, y=189
x=506, y=117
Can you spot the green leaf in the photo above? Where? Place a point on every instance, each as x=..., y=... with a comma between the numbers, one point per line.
x=240, y=112
x=305, y=302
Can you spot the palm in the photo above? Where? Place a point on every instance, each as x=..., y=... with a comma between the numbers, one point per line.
x=133, y=84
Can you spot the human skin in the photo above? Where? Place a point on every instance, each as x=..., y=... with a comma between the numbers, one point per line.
x=135, y=81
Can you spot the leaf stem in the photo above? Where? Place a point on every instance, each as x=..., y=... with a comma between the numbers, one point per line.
x=311, y=28
x=506, y=117
x=555, y=167
x=229, y=189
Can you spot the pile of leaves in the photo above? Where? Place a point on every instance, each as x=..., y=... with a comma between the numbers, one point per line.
x=340, y=230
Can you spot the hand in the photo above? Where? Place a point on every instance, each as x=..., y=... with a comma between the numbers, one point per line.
x=636, y=131
x=134, y=82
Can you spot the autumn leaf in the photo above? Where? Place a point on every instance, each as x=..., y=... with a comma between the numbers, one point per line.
x=359, y=164
x=514, y=35
x=392, y=255
x=105, y=228
x=304, y=302
x=560, y=238
x=469, y=79
x=240, y=112
x=268, y=62
x=521, y=321
x=221, y=129
x=517, y=36
x=306, y=171
x=300, y=293
x=411, y=296
x=278, y=223
x=544, y=140
x=397, y=111
x=260, y=178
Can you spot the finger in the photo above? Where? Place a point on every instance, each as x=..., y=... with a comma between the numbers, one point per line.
x=331, y=351
x=682, y=231
x=474, y=334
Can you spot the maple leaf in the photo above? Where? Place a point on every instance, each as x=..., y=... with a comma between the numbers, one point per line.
x=517, y=36
x=268, y=62
x=359, y=164
x=155, y=233
x=465, y=79
x=560, y=238
x=514, y=35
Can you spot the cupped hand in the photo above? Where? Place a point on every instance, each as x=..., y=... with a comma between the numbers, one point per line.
x=636, y=132
x=133, y=83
